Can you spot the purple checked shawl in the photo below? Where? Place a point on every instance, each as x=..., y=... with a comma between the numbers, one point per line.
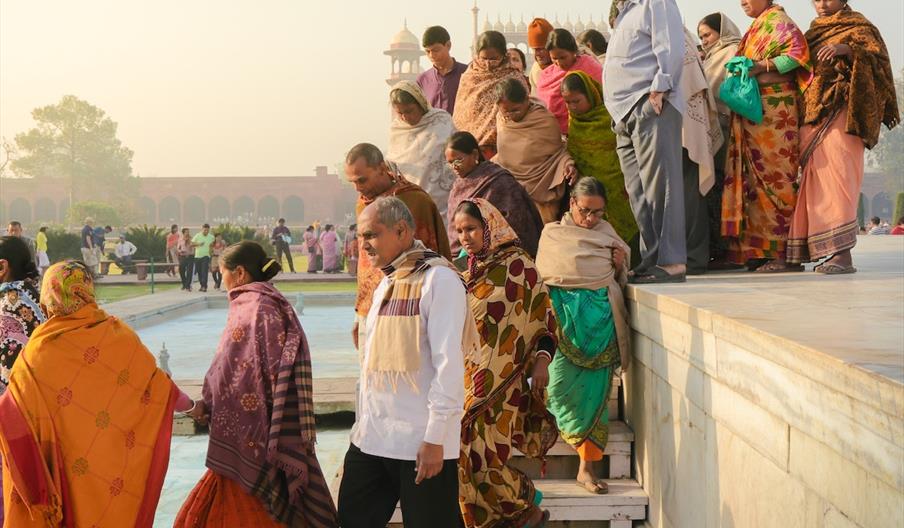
x=260, y=397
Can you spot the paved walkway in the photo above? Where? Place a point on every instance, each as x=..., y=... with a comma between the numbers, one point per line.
x=163, y=278
x=857, y=318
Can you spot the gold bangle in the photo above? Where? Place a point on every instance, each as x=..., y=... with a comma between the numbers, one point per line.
x=767, y=65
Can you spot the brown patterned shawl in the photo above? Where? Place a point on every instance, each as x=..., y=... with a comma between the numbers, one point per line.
x=475, y=104
x=533, y=151
x=862, y=82
x=259, y=390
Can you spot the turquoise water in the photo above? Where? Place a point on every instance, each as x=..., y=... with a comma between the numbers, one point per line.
x=192, y=340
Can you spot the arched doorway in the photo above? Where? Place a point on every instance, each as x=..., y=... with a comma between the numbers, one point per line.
x=169, y=211
x=243, y=210
x=219, y=210
x=268, y=207
x=20, y=211
x=148, y=210
x=193, y=211
x=293, y=210
x=45, y=211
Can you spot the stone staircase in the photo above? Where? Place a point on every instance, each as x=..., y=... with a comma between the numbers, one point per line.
x=571, y=506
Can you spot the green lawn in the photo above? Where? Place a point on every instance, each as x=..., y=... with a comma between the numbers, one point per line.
x=119, y=292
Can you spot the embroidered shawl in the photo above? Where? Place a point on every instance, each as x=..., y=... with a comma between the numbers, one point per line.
x=701, y=133
x=20, y=314
x=862, y=83
x=259, y=390
x=549, y=85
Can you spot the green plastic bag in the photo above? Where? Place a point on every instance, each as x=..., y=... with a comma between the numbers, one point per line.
x=740, y=91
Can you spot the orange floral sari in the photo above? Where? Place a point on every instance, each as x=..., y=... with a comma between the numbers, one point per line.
x=87, y=417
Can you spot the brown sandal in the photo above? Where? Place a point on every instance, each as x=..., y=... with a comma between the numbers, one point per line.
x=597, y=487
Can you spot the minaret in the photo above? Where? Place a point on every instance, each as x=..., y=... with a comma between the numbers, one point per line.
x=405, y=56
x=474, y=17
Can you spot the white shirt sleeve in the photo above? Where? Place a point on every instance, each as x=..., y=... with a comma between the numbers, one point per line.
x=444, y=305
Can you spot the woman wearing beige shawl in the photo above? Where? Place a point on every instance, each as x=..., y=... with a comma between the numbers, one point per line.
x=417, y=141
x=530, y=146
x=701, y=139
x=585, y=263
x=475, y=103
x=720, y=38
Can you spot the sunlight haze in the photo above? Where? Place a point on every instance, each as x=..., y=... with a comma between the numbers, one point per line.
x=270, y=88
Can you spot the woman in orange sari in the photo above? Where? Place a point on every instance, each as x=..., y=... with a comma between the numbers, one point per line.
x=87, y=417
x=852, y=95
x=761, y=175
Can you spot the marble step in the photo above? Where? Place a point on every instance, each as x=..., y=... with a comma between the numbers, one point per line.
x=571, y=505
x=562, y=460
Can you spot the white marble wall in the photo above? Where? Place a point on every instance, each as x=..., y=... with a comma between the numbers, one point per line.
x=737, y=428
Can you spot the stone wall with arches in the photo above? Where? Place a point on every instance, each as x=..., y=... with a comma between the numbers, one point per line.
x=194, y=201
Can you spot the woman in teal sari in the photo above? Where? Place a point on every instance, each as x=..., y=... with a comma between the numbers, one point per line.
x=584, y=262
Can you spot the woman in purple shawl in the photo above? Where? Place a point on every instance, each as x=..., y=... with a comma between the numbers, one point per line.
x=479, y=178
x=328, y=245
x=257, y=398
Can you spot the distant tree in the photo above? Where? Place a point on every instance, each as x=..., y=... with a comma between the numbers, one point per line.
x=889, y=153
x=8, y=153
x=76, y=141
x=102, y=213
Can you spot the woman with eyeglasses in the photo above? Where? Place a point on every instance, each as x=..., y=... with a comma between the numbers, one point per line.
x=585, y=264
x=479, y=178
x=475, y=104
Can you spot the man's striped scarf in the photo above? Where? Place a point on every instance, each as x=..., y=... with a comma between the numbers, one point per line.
x=395, y=349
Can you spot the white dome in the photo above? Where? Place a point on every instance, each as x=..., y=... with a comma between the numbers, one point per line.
x=405, y=38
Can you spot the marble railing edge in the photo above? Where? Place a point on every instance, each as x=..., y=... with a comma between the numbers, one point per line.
x=887, y=394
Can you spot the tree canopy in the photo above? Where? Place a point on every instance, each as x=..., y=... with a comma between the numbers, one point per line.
x=76, y=141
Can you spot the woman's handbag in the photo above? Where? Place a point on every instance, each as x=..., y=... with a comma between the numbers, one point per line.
x=740, y=91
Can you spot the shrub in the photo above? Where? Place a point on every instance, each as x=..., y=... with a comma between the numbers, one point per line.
x=233, y=233
x=899, y=208
x=150, y=241
x=62, y=245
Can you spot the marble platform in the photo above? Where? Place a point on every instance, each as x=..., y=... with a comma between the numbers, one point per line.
x=772, y=400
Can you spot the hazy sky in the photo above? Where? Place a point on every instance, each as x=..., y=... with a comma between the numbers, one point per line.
x=241, y=88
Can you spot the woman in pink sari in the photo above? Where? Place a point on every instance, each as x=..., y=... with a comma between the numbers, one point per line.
x=312, y=246
x=563, y=50
x=329, y=246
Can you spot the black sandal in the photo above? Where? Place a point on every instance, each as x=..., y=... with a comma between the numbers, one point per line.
x=657, y=275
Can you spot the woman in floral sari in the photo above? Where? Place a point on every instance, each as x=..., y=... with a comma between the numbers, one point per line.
x=852, y=95
x=585, y=264
x=20, y=312
x=475, y=103
x=312, y=246
x=503, y=411
x=761, y=175
x=87, y=417
x=257, y=397
x=591, y=143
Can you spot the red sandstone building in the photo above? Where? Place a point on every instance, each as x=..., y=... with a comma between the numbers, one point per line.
x=193, y=201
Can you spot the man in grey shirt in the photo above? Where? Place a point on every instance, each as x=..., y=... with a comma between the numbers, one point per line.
x=642, y=93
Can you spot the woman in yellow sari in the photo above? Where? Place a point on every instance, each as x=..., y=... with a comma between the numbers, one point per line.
x=87, y=417
x=760, y=189
x=512, y=309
